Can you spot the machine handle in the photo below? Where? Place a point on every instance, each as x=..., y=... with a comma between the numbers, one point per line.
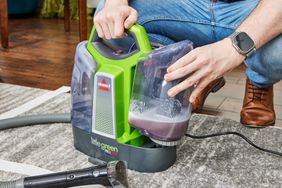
x=137, y=32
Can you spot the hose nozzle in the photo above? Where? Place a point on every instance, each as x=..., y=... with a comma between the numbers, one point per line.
x=117, y=173
x=114, y=174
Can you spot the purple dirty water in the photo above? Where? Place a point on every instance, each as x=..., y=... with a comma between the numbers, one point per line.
x=160, y=127
x=152, y=111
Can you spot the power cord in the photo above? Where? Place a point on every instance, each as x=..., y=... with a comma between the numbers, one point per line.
x=65, y=118
x=237, y=134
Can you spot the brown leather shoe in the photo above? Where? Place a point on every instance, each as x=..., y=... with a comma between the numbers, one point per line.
x=258, y=110
x=213, y=87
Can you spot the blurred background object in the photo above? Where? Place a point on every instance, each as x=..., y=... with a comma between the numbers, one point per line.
x=22, y=6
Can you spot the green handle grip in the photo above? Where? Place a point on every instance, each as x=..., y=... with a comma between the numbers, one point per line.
x=141, y=38
x=136, y=31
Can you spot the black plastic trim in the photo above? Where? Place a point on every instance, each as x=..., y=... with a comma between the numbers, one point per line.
x=149, y=158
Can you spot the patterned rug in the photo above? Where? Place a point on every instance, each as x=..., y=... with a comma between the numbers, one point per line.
x=226, y=161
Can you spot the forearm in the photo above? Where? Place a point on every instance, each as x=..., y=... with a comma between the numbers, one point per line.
x=109, y=2
x=264, y=23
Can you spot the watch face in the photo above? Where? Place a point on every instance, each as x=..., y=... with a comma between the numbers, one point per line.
x=244, y=42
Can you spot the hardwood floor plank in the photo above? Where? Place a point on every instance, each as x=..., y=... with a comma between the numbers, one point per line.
x=40, y=54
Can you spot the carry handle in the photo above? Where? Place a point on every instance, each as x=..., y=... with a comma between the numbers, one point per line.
x=137, y=32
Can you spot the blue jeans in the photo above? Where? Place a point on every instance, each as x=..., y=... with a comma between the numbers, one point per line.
x=204, y=22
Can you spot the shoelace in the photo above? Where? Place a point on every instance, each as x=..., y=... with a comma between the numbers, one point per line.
x=257, y=93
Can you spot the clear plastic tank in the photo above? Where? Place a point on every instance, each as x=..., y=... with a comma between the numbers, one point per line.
x=162, y=118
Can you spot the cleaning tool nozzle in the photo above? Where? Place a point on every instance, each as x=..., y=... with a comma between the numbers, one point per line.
x=114, y=174
x=117, y=173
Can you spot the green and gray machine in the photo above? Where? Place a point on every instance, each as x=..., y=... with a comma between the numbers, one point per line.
x=101, y=89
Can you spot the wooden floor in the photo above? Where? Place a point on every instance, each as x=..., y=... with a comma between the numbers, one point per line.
x=41, y=55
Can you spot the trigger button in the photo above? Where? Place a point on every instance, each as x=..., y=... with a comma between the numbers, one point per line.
x=118, y=52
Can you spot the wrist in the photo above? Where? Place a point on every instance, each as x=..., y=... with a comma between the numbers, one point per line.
x=116, y=2
x=232, y=52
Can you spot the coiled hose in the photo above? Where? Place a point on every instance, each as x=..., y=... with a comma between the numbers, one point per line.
x=28, y=121
x=34, y=120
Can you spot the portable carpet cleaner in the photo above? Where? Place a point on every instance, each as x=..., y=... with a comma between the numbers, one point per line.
x=120, y=111
x=119, y=100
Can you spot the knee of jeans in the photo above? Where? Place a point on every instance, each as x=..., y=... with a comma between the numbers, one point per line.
x=144, y=9
x=269, y=58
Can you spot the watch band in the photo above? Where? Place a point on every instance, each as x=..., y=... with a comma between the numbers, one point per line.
x=234, y=34
x=251, y=52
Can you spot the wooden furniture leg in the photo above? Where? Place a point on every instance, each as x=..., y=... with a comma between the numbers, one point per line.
x=82, y=19
x=4, y=23
x=67, y=15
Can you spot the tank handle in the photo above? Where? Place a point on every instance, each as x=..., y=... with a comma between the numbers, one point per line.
x=136, y=31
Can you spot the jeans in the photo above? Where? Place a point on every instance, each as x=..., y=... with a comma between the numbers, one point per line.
x=204, y=22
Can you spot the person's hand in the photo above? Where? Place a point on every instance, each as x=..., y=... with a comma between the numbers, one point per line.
x=203, y=65
x=116, y=16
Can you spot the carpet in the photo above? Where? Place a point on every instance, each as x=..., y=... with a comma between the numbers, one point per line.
x=226, y=161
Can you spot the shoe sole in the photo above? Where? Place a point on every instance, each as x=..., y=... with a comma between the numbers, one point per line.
x=217, y=87
x=258, y=126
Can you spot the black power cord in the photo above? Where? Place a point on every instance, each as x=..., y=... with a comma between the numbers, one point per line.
x=237, y=134
x=65, y=118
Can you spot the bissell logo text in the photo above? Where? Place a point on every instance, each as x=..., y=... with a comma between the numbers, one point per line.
x=104, y=86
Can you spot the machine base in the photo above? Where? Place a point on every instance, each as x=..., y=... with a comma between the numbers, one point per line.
x=149, y=158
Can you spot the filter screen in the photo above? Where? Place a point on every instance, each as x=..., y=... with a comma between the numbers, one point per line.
x=103, y=121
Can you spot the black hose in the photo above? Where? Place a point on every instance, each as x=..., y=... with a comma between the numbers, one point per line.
x=113, y=174
x=34, y=120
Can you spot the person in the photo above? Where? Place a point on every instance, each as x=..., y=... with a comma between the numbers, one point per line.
x=225, y=34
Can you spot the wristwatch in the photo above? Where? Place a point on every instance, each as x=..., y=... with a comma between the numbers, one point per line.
x=243, y=43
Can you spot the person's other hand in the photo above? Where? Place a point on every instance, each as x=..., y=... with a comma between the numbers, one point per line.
x=116, y=16
x=203, y=65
